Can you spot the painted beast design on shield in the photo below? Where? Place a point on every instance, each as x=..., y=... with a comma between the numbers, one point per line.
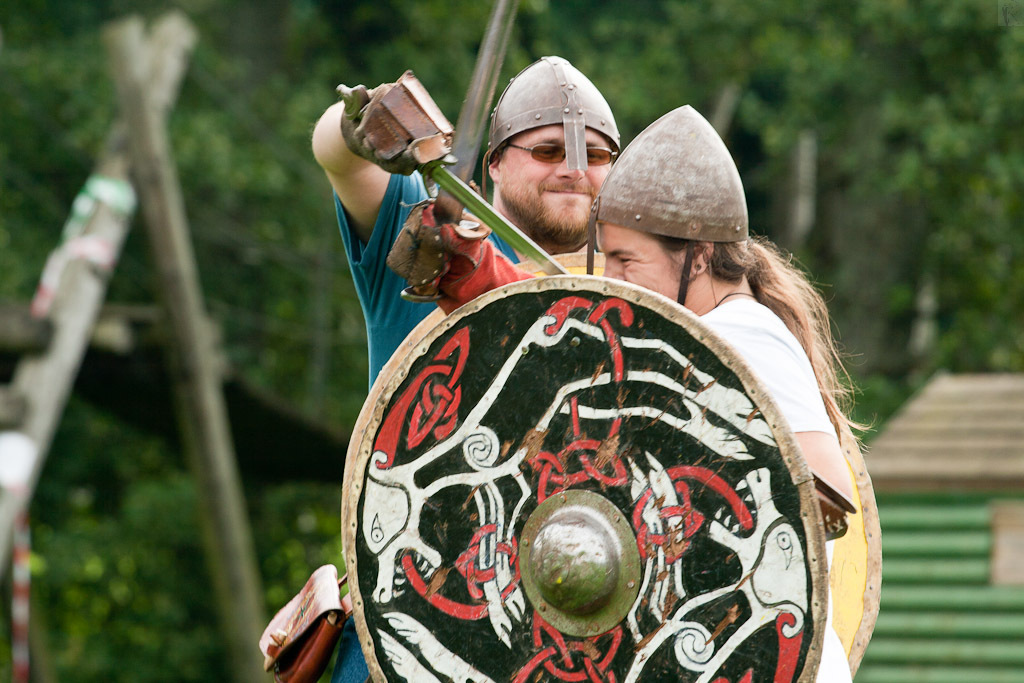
x=510, y=409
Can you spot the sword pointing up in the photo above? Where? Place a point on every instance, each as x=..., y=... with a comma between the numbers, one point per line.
x=469, y=129
x=469, y=133
x=404, y=120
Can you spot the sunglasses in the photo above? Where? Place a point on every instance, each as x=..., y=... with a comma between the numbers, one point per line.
x=554, y=154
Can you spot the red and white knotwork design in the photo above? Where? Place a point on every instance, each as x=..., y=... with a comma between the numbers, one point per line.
x=565, y=659
x=430, y=403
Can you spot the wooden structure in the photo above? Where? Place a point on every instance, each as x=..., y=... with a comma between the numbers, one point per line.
x=960, y=432
x=192, y=353
x=948, y=470
x=124, y=372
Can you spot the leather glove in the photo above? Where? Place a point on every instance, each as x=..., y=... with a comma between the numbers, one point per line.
x=353, y=128
x=426, y=246
x=396, y=125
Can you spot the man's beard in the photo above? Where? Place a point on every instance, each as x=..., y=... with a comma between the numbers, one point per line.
x=558, y=230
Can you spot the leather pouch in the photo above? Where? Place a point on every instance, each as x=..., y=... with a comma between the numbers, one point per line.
x=299, y=641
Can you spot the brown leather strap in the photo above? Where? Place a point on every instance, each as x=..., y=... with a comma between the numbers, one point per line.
x=592, y=236
x=834, y=508
x=684, y=278
x=307, y=659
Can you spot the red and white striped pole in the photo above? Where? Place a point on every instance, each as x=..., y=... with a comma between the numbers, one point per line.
x=21, y=577
x=17, y=458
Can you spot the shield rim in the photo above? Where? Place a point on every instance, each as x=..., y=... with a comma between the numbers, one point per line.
x=418, y=342
x=872, y=558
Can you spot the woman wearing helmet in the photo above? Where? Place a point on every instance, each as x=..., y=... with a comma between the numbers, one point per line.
x=672, y=217
x=674, y=204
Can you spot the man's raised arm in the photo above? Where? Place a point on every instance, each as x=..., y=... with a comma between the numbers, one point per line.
x=359, y=184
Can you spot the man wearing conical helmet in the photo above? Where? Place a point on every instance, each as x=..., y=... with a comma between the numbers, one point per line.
x=552, y=139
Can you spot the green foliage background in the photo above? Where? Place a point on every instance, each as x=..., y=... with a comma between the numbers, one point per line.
x=916, y=109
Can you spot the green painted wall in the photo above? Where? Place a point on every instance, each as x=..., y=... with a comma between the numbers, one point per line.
x=941, y=620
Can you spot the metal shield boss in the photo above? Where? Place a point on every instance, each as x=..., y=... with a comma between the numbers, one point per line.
x=573, y=479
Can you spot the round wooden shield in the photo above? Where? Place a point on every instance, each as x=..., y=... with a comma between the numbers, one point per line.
x=573, y=479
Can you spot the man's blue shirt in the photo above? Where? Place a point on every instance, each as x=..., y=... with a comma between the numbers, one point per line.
x=389, y=317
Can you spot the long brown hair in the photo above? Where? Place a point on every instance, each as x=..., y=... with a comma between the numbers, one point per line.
x=781, y=286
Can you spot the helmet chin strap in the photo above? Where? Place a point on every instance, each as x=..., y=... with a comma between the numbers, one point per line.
x=484, y=163
x=592, y=235
x=684, y=278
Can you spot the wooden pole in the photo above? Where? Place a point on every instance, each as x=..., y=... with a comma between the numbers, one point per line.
x=42, y=382
x=21, y=332
x=805, y=187
x=195, y=363
x=725, y=108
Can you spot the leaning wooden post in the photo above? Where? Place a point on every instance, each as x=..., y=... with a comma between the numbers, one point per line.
x=43, y=379
x=194, y=359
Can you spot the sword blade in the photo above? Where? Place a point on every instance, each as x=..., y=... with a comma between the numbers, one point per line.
x=479, y=207
x=469, y=129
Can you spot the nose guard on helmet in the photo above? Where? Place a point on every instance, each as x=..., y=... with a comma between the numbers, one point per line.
x=552, y=91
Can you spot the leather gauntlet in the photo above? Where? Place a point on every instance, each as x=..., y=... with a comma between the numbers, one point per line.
x=397, y=126
x=426, y=247
x=834, y=508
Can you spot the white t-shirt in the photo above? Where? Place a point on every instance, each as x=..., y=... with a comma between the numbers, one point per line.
x=777, y=358
x=775, y=355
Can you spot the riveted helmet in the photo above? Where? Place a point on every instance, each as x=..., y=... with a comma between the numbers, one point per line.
x=677, y=179
x=552, y=91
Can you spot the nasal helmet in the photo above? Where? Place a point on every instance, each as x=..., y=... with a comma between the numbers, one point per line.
x=552, y=91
